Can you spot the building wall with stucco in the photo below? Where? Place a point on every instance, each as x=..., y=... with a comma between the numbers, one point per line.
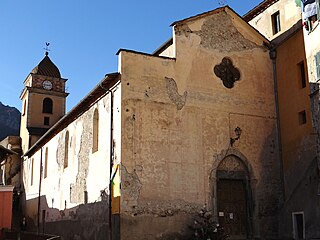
x=312, y=48
x=289, y=12
x=178, y=118
x=76, y=194
x=298, y=103
x=299, y=139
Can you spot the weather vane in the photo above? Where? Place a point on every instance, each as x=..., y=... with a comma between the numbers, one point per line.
x=47, y=48
x=222, y=2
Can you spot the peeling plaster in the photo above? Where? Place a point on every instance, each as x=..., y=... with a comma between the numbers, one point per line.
x=130, y=186
x=219, y=33
x=175, y=97
x=164, y=208
x=77, y=189
x=183, y=30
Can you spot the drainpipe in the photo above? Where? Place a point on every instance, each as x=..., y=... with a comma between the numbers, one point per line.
x=111, y=164
x=273, y=57
x=110, y=158
x=40, y=180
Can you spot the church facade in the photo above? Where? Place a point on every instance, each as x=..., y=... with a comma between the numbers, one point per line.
x=202, y=123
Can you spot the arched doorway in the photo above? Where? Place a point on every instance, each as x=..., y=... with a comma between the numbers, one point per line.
x=234, y=199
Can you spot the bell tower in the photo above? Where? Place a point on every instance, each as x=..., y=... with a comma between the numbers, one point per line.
x=43, y=101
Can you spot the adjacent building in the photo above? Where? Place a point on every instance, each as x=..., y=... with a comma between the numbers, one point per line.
x=294, y=50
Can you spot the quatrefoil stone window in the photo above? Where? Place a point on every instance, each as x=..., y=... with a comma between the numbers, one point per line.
x=227, y=72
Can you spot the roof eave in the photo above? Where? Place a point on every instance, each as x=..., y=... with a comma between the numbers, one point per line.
x=258, y=9
x=165, y=45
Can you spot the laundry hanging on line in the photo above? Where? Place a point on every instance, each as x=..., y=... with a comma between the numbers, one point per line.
x=309, y=8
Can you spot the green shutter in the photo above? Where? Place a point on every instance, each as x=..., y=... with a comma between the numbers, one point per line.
x=317, y=59
x=318, y=9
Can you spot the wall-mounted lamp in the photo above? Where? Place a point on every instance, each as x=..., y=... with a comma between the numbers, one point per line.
x=238, y=131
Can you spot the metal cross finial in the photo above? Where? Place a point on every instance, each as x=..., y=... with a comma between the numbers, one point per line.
x=47, y=48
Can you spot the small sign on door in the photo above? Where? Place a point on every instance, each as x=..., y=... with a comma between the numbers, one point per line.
x=221, y=214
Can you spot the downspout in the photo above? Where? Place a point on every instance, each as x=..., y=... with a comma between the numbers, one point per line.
x=111, y=164
x=40, y=180
x=110, y=159
x=273, y=57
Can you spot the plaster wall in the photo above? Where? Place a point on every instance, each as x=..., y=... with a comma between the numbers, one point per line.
x=298, y=140
x=177, y=120
x=12, y=167
x=168, y=52
x=76, y=194
x=312, y=46
x=290, y=13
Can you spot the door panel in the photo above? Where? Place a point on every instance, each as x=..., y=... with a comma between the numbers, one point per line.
x=232, y=208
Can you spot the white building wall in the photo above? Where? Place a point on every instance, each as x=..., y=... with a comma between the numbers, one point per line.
x=62, y=191
x=312, y=46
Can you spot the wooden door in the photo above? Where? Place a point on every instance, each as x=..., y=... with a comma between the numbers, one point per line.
x=232, y=208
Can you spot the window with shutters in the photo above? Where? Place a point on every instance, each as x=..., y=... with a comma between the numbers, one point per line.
x=317, y=61
x=31, y=174
x=318, y=9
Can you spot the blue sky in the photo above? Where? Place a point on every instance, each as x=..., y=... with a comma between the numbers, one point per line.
x=84, y=36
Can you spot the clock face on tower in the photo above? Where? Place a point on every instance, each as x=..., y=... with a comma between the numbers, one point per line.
x=47, y=85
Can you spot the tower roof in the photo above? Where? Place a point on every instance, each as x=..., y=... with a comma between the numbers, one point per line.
x=47, y=68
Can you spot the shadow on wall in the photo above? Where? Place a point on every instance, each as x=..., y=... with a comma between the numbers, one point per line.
x=270, y=188
x=296, y=204
x=27, y=236
x=85, y=221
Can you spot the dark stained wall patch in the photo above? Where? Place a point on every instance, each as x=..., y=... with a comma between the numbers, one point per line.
x=227, y=72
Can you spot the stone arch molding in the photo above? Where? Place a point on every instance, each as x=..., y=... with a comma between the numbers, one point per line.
x=232, y=160
x=241, y=162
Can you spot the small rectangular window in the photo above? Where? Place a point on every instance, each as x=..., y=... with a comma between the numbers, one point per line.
x=275, y=18
x=302, y=72
x=302, y=117
x=46, y=121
